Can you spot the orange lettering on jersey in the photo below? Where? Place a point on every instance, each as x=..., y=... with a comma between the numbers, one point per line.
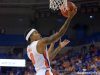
x=32, y=58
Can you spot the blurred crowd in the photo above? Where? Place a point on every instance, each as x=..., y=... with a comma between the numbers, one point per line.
x=73, y=62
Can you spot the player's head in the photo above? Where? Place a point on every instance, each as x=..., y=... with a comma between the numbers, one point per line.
x=32, y=35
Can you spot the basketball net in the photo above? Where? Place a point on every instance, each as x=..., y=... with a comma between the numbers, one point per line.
x=56, y=4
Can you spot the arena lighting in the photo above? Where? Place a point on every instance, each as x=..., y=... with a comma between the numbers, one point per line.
x=91, y=17
x=12, y=62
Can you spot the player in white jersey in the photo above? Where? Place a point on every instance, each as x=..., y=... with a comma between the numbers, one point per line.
x=37, y=51
x=40, y=61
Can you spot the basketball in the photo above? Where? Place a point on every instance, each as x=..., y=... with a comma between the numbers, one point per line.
x=64, y=10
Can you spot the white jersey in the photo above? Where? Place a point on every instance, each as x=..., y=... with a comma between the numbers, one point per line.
x=40, y=61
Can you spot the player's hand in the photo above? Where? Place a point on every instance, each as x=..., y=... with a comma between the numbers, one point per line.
x=71, y=13
x=64, y=43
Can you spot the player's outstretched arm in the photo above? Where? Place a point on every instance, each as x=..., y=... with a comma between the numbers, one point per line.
x=47, y=40
x=51, y=48
x=58, y=49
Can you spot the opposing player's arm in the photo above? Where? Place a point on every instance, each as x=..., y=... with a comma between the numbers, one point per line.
x=58, y=49
x=47, y=40
x=51, y=48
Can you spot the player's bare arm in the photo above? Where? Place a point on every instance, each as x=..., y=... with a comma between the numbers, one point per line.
x=51, y=48
x=58, y=49
x=47, y=40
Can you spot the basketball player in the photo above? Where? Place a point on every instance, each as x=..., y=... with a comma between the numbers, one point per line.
x=37, y=50
x=52, y=53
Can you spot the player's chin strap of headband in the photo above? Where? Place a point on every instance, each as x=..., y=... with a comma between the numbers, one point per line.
x=29, y=33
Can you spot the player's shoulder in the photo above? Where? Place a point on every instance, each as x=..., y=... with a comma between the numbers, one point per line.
x=33, y=43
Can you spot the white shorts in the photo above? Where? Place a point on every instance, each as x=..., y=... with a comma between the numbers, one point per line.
x=44, y=72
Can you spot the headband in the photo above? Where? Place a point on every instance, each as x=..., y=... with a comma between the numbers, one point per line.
x=29, y=33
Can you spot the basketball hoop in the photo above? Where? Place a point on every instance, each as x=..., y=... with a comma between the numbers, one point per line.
x=56, y=4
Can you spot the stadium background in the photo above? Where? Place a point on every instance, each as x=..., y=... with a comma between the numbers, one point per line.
x=17, y=15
